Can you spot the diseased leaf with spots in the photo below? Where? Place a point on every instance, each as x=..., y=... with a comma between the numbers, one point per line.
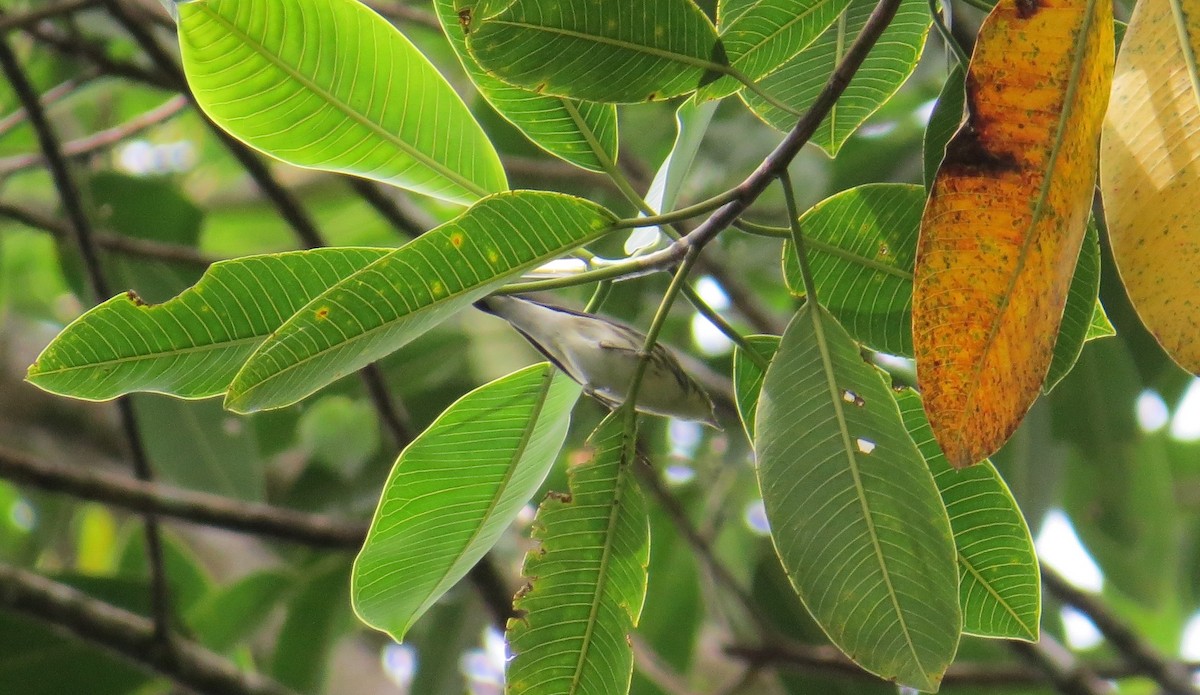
x=381, y=307
x=1006, y=217
x=621, y=51
x=190, y=346
x=1150, y=173
x=586, y=580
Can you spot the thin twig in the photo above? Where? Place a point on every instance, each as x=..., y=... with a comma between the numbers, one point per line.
x=1173, y=676
x=1068, y=675
x=31, y=17
x=127, y=634
x=387, y=208
x=143, y=248
x=103, y=139
x=89, y=251
x=48, y=97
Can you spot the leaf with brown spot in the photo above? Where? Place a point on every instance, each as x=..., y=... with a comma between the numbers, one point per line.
x=1150, y=173
x=1005, y=220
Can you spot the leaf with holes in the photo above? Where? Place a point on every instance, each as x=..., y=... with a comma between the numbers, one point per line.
x=1149, y=173
x=1006, y=218
x=587, y=579
x=580, y=132
x=1000, y=587
x=375, y=311
x=854, y=512
x=761, y=36
x=192, y=345
x=329, y=84
x=802, y=78
x=455, y=490
x=621, y=51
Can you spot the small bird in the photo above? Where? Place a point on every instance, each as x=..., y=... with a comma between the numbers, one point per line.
x=602, y=356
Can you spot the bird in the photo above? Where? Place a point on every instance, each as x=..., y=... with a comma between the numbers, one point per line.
x=602, y=356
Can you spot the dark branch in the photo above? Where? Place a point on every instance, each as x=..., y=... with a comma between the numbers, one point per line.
x=1173, y=676
x=31, y=17
x=126, y=634
x=89, y=250
x=1068, y=675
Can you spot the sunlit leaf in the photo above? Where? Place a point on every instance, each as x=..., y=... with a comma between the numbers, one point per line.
x=192, y=345
x=854, y=512
x=624, y=50
x=587, y=579
x=1006, y=217
x=761, y=36
x=376, y=310
x=999, y=587
x=582, y=133
x=329, y=84
x=945, y=119
x=1149, y=169
x=455, y=490
x=889, y=64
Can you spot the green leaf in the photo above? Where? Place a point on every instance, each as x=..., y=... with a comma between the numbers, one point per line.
x=329, y=84
x=947, y=116
x=1082, y=304
x=580, y=132
x=313, y=627
x=192, y=345
x=587, y=580
x=627, y=50
x=1000, y=587
x=455, y=490
x=201, y=447
x=802, y=78
x=1100, y=326
x=378, y=309
x=748, y=378
x=767, y=34
x=854, y=512
x=862, y=245
x=224, y=618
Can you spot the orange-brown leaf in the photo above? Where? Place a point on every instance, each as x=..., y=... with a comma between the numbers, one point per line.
x=1150, y=171
x=1006, y=216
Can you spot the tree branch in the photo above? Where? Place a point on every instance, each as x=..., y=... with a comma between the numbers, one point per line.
x=1060, y=667
x=126, y=634
x=85, y=240
x=31, y=17
x=1173, y=676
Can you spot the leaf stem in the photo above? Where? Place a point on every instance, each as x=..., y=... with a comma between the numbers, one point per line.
x=722, y=325
x=789, y=196
x=652, y=219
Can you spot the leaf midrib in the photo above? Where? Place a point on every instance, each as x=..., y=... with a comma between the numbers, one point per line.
x=770, y=37
x=174, y=352
x=1038, y=209
x=1031, y=633
x=501, y=488
x=817, y=314
x=345, y=109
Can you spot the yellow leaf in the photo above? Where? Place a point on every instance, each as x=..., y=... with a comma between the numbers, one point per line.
x=1150, y=172
x=1006, y=216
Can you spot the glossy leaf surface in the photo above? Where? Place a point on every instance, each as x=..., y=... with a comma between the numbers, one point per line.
x=329, y=84
x=1006, y=217
x=379, y=308
x=455, y=490
x=192, y=345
